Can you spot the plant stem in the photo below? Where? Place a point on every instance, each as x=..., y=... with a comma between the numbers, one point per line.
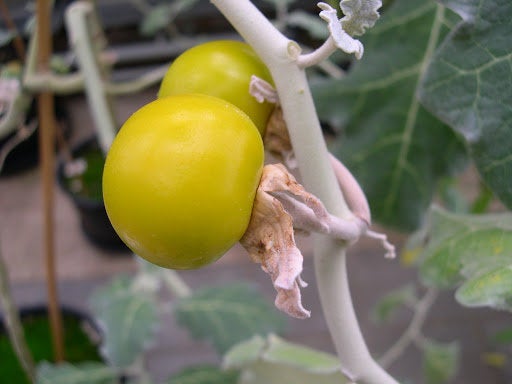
x=79, y=22
x=144, y=81
x=413, y=331
x=280, y=55
x=175, y=284
x=36, y=82
x=15, y=113
x=13, y=324
x=318, y=55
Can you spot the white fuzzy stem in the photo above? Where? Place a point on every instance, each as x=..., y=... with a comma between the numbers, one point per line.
x=280, y=55
x=79, y=20
x=413, y=331
x=318, y=55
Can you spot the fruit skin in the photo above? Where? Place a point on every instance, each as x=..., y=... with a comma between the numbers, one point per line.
x=222, y=69
x=180, y=179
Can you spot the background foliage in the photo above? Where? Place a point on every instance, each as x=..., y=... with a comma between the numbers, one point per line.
x=430, y=97
x=430, y=90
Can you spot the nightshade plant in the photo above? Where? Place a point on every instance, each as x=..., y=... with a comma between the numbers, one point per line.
x=428, y=95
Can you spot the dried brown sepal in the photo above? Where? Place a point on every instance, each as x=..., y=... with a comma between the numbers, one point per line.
x=262, y=90
x=270, y=241
x=277, y=140
x=282, y=204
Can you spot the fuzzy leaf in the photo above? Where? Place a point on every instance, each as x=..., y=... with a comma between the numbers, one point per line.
x=462, y=246
x=388, y=305
x=226, y=315
x=161, y=15
x=440, y=362
x=467, y=9
x=468, y=86
x=359, y=15
x=276, y=361
x=396, y=149
x=155, y=20
x=279, y=351
x=204, y=374
x=244, y=353
x=84, y=373
x=128, y=318
x=490, y=289
x=310, y=23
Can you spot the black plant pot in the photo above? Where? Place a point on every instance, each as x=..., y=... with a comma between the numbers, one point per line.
x=88, y=200
x=81, y=338
x=21, y=158
x=96, y=225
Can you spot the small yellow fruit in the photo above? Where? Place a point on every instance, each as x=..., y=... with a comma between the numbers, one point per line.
x=180, y=179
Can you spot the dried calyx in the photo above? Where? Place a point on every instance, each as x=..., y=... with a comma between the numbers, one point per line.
x=282, y=205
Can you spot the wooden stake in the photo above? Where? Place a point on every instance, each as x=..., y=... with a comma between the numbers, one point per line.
x=47, y=158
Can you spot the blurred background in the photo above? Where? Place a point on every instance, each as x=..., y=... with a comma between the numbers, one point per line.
x=144, y=36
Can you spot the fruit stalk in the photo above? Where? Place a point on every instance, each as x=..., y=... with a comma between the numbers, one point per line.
x=281, y=57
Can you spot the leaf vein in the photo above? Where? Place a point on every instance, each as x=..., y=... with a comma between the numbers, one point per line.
x=405, y=18
x=412, y=112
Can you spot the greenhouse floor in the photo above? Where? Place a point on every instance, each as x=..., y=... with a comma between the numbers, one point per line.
x=82, y=266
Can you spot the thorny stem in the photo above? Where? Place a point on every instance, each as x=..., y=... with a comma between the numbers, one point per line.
x=13, y=323
x=413, y=331
x=280, y=55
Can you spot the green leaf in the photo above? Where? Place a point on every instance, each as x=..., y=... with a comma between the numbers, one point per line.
x=155, y=20
x=226, y=315
x=245, y=353
x=467, y=9
x=128, y=318
x=205, y=374
x=440, y=362
x=315, y=26
x=84, y=373
x=468, y=86
x=162, y=15
x=60, y=65
x=463, y=246
x=280, y=3
x=503, y=336
x=453, y=198
x=491, y=289
x=396, y=149
x=279, y=351
x=387, y=306
x=359, y=15
x=276, y=361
